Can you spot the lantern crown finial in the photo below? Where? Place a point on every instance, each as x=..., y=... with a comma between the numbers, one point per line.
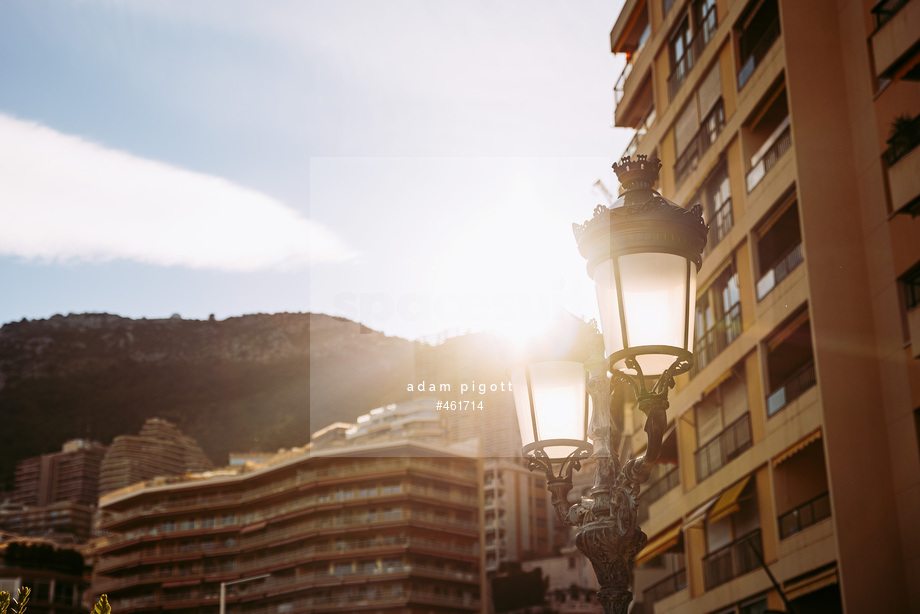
x=638, y=174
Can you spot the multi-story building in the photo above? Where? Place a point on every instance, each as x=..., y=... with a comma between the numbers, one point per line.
x=63, y=522
x=519, y=522
x=385, y=527
x=69, y=475
x=160, y=449
x=794, y=441
x=54, y=575
x=55, y=494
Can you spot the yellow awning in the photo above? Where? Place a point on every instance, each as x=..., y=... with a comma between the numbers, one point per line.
x=794, y=590
x=660, y=544
x=728, y=502
x=698, y=515
x=797, y=448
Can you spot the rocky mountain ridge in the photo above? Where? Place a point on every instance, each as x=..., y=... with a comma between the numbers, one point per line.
x=250, y=383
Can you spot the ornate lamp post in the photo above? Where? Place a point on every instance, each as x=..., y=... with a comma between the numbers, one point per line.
x=643, y=254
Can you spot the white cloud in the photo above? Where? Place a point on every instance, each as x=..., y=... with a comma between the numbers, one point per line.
x=64, y=199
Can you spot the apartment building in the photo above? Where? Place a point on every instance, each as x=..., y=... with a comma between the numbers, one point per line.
x=790, y=478
x=159, y=449
x=69, y=475
x=520, y=523
x=55, y=494
x=383, y=527
x=55, y=575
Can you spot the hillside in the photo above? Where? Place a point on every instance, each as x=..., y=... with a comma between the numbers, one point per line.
x=252, y=383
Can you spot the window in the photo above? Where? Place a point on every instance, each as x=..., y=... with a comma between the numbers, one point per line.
x=687, y=42
x=63, y=593
x=681, y=60
x=718, y=317
x=716, y=199
x=723, y=426
x=693, y=136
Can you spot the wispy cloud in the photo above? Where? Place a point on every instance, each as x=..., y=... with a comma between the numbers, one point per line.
x=64, y=199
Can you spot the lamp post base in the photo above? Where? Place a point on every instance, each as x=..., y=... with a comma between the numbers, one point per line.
x=612, y=554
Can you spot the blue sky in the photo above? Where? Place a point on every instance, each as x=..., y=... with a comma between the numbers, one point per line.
x=414, y=165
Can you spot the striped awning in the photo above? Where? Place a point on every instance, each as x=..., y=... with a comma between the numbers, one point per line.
x=662, y=543
x=728, y=502
x=797, y=448
x=698, y=515
x=796, y=589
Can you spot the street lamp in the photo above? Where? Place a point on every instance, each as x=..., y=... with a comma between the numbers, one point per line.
x=643, y=254
x=222, y=606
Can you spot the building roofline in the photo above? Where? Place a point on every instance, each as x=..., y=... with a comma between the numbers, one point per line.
x=468, y=449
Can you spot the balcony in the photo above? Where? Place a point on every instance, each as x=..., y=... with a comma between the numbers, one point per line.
x=792, y=258
x=805, y=515
x=895, y=36
x=670, y=585
x=641, y=130
x=716, y=339
x=902, y=163
x=620, y=85
x=730, y=443
x=756, y=50
x=731, y=561
x=769, y=154
x=662, y=486
x=791, y=389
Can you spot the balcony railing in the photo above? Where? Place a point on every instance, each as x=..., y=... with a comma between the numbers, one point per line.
x=688, y=160
x=685, y=63
x=663, y=485
x=805, y=515
x=769, y=154
x=791, y=258
x=731, y=442
x=757, y=53
x=711, y=343
x=620, y=85
x=670, y=585
x=641, y=131
x=791, y=389
x=731, y=561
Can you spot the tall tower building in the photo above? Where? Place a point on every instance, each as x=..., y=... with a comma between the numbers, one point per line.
x=69, y=475
x=794, y=441
x=160, y=449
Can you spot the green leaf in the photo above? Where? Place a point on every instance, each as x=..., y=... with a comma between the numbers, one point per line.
x=102, y=606
x=4, y=602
